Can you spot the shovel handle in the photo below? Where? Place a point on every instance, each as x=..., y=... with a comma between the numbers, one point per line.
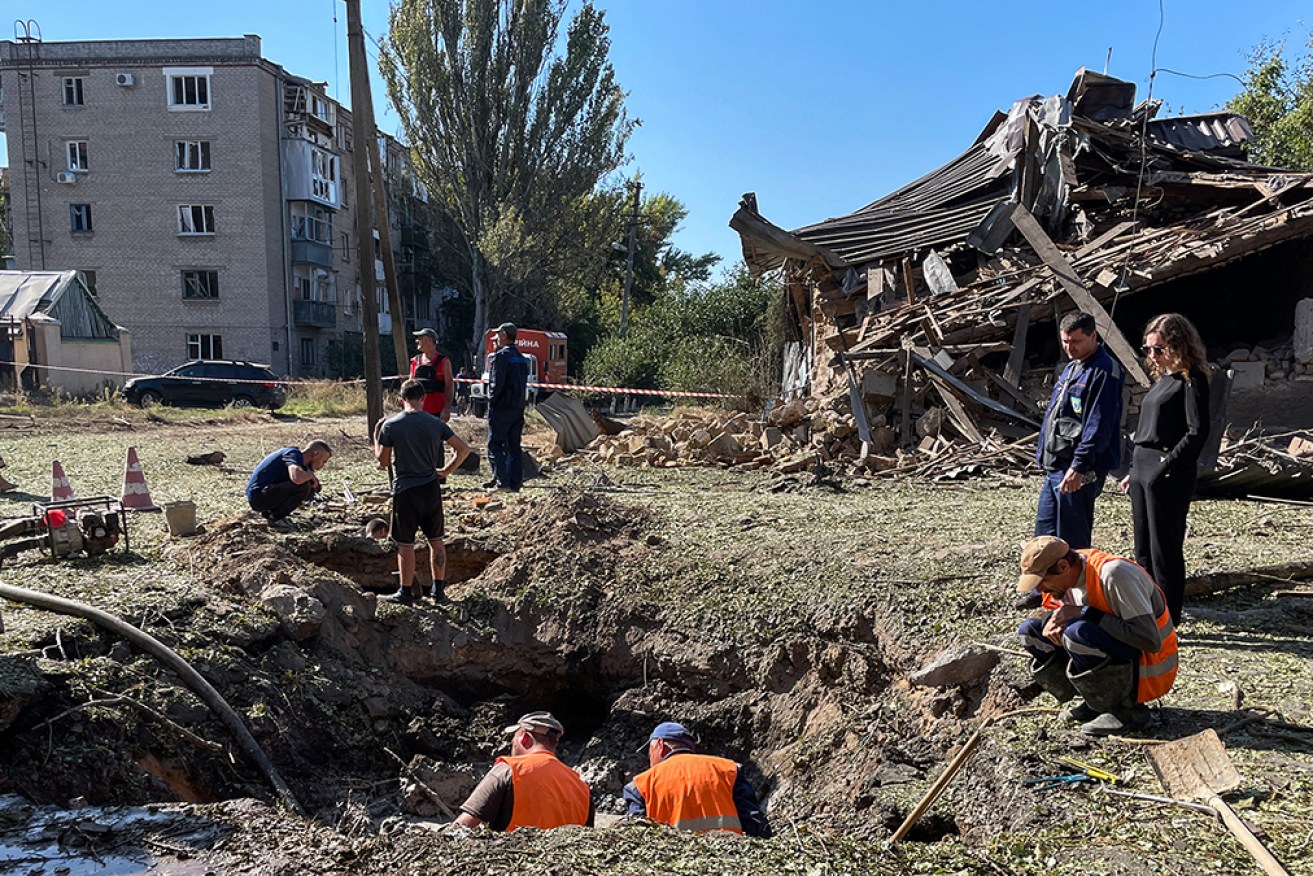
x=1252, y=844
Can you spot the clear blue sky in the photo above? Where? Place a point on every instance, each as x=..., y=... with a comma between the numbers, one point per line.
x=819, y=106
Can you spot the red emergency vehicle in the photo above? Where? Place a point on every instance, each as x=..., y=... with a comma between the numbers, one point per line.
x=547, y=353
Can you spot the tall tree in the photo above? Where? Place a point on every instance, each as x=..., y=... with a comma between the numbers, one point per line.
x=1278, y=101
x=510, y=136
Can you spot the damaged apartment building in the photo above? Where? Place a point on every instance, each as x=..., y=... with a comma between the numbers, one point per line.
x=943, y=296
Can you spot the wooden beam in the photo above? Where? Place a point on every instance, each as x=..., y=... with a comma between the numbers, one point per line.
x=957, y=413
x=1111, y=234
x=909, y=280
x=905, y=403
x=967, y=390
x=1066, y=274
x=1005, y=385
x=1017, y=360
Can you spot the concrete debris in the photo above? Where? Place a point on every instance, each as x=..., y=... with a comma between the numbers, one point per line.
x=957, y=667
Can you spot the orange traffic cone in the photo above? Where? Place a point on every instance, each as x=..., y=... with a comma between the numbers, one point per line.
x=60, y=489
x=136, y=495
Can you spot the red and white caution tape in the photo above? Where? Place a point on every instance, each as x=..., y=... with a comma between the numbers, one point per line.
x=619, y=390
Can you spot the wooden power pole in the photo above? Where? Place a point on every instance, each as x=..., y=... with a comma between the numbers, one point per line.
x=362, y=135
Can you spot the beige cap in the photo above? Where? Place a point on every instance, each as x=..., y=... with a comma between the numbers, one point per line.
x=1037, y=557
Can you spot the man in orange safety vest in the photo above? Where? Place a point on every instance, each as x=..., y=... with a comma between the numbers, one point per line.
x=1107, y=636
x=691, y=791
x=531, y=787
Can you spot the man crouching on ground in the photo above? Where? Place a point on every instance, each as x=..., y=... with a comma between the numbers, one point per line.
x=285, y=479
x=1108, y=635
x=418, y=441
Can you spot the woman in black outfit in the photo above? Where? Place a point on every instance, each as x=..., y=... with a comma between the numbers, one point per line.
x=1169, y=437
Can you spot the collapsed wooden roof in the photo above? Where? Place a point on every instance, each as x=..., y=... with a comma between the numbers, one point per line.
x=1121, y=202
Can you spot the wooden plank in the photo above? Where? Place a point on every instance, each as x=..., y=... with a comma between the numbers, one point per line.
x=966, y=389
x=905, y=404
x=1005, y=385
x=1012, y=372
x=957, y=413
x=909, y=280
x=1111, y=234
x=1066, y=274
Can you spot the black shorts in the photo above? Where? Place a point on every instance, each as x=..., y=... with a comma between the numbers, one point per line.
x=419, y=508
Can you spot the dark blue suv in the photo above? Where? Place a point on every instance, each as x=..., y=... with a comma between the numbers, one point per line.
x=209, y=383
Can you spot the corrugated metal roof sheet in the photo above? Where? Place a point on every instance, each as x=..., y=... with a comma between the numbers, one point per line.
x=1207, y=132
x=927, y=212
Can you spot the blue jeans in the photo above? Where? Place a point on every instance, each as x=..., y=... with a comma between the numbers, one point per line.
x=1085, y=643
x=504, y=455
x=1069, y=516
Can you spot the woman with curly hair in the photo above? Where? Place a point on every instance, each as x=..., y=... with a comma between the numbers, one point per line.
x=1170, y=435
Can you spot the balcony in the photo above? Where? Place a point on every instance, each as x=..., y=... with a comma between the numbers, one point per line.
x=312, y=252
x=316, y=314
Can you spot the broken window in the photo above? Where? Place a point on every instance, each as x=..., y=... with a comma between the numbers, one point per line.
x=73, y=95
x=195, y=219
x=200, y=285
x=78, y=156
x=191, y=156
x=311, y=223
x=79, y=218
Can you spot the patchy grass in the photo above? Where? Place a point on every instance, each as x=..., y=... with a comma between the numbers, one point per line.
x=747, y=566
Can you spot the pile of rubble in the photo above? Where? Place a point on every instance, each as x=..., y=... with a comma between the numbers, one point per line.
x=792, y=437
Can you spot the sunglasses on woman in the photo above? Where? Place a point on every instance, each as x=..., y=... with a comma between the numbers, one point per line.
x=1153, y=349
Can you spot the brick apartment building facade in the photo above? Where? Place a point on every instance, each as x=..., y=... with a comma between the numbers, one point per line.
x=204, y=192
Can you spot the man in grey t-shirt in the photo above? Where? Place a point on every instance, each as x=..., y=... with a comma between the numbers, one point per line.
x=415, y=442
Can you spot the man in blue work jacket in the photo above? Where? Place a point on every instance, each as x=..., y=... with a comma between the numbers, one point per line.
x=1080, y=441
x=508, y=379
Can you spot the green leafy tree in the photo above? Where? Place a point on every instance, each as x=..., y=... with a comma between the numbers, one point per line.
x=1278, y=101
x=722, y=336
x=512, y=138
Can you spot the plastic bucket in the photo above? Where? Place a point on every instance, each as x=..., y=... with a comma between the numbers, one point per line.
x=180, y=517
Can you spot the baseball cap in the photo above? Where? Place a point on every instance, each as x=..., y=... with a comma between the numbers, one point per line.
x=1037, y=557
x=671, y=732
x=426, y=333
x=538, y=722
x=509, y=328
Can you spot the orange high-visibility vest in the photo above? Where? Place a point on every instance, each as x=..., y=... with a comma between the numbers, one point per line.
x=546, y=792
x=1157, y=668
x=691, y=792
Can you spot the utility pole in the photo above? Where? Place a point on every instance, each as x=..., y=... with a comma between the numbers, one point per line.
x=362, y=135
x=629, y=261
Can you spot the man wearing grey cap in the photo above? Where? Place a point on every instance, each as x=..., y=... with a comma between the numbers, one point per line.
x=531, y=787
x=691, y=791
x=508, y=379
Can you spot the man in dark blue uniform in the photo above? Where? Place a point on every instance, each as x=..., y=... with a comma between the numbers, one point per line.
x=286, y=479
x=508, y=379
x=1080, y=441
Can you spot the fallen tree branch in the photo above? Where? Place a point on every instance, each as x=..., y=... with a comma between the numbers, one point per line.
x=169, y=657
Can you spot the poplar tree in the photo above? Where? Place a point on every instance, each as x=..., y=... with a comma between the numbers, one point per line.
x=512, y=130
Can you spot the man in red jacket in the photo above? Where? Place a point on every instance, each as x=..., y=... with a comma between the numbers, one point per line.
x=530, y=788
x=691, y=791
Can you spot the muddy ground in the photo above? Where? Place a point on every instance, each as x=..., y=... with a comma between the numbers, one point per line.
x=779, y=617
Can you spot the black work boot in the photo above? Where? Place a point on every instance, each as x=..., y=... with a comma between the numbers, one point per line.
x=1109, y=690
x=438, y=591
x=1051, y=674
